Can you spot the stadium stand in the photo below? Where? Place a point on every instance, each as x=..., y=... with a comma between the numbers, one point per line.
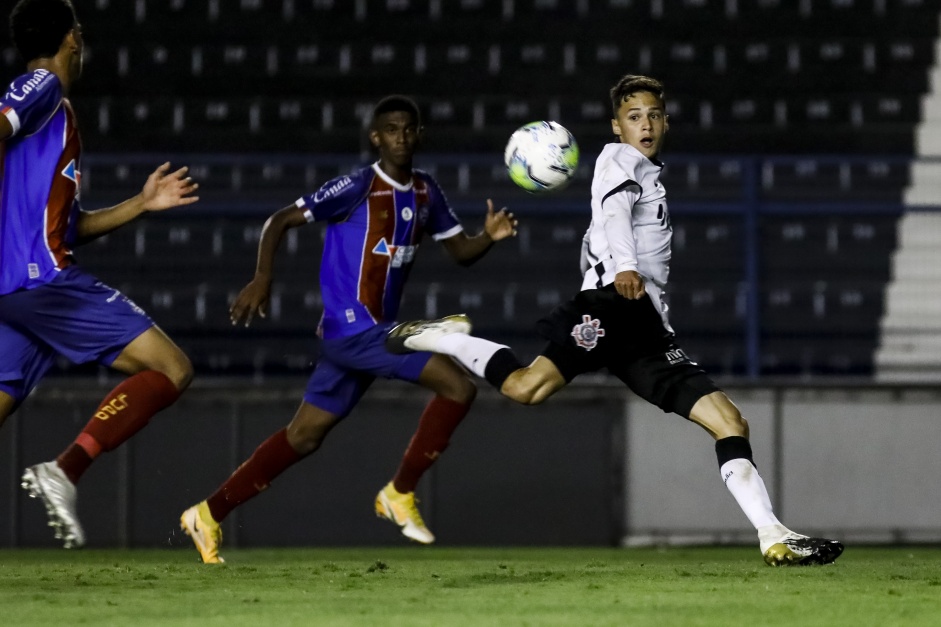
x=789, y=113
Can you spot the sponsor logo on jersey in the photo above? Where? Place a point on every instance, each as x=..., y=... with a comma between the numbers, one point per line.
x=587, y=333
x=28, y=86
x=403, y=255
x=383, y=248
x=71, y=173
x=323, y=194
x=676, y=356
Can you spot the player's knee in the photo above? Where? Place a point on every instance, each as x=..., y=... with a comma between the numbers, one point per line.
x=7, y=404
x=179, y=370
x=466, y=391
x=734, y=423
x=460, y=389
x=309, y=429
x=522, y=390
x=306, y=443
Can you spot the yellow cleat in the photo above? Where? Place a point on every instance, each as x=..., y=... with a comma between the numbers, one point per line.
x=400, y=509
x=206, y=533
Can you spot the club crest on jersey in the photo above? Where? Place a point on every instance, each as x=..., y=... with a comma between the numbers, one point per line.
x=587, y=333
x=407, y=213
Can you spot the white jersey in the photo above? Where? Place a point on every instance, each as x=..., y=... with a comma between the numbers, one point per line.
x=630, y=224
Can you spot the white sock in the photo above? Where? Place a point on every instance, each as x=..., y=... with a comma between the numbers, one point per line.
x=745, y=484
x=473, y=352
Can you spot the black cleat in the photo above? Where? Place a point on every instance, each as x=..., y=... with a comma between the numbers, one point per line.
x=797, y=550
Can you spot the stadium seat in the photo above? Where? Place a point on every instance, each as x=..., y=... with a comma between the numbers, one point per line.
x=713, y=306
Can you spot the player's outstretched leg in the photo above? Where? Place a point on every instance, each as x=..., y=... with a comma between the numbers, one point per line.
x=159, y=372
x=422, y=335
x=206, y=533
x=49, y=483
x=402, y=510
x=779, y=546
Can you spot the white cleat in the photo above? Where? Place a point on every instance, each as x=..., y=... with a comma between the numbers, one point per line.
x=48, y=482
x=423, y=335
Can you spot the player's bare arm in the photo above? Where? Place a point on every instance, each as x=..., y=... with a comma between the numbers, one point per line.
x=6, y=129
x=163, y=190
x=498, y=225
x=629, y=284
x=253, y=299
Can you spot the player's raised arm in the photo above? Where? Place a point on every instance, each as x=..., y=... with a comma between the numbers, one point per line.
x=254, y=297
x=498, y=225
x=163, y=190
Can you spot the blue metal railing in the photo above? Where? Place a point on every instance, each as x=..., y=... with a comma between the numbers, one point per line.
x=753, y=186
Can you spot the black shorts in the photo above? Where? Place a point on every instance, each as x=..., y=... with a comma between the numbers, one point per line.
x=601, y=329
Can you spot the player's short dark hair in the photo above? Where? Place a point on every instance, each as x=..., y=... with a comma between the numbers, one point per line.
x=37, y=27
x=393, y=103
x=631, y=84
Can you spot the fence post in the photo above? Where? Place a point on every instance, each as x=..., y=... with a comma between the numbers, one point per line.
x=752, y=269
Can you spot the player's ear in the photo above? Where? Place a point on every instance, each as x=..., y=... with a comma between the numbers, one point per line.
x=374, y=137
x=615, y=127
x=666, y=123
x=70, y=42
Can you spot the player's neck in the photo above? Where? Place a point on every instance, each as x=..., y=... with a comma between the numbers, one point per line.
x=399, y=174
x=54, y=65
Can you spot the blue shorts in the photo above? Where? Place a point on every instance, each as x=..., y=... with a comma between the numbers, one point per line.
x=348, y=366
x=74, y=315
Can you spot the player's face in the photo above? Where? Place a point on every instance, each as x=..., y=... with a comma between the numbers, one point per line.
x=642, y=123
x=77, y=47
x=396, y=135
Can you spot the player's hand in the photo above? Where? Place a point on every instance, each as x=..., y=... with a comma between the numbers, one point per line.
x=165, y=191
x=251, y=300
x=500, y=224
x=629, y=284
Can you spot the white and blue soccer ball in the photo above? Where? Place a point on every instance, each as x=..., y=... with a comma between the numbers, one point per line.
x=541, y=156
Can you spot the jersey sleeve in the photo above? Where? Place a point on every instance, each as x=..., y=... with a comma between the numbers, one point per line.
x=620, y=190
x=31, y=100
x=334, y=201
x=442, y=222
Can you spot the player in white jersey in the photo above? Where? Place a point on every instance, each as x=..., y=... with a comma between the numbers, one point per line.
x=618, y=320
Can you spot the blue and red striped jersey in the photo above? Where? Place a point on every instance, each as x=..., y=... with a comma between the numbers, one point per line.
x=374, y=227
x=39, y=182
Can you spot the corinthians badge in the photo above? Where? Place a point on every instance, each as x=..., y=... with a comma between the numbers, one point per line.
x=587, y=333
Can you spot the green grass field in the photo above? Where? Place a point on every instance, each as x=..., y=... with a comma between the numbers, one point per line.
x=453, y=586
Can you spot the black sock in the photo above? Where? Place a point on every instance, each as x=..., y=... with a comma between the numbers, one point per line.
x=734, y=447
x=501, y=365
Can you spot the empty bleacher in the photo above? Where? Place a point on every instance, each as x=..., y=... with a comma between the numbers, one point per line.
x=267, y=99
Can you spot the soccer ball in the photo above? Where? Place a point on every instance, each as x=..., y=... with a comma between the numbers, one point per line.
x=541, y=156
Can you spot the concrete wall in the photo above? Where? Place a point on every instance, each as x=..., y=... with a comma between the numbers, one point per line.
x=855, y=463
x=513, y=475
x=593, y=466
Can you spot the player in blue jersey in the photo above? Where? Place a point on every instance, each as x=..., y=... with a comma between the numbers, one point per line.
x=376, y=218
x=48, y=306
